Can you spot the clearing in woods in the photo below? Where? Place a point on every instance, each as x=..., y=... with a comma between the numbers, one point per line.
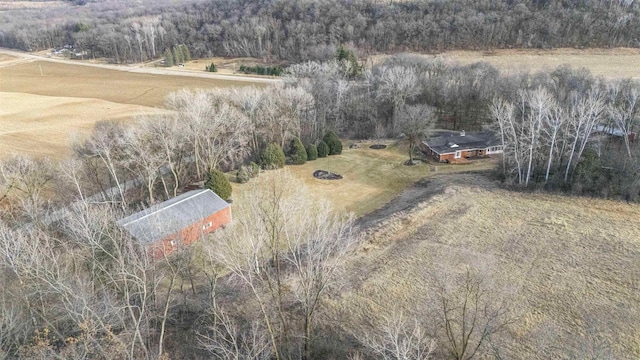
x=568, y=266
x=39, y=111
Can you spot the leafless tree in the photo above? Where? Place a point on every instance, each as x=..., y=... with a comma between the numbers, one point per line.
x=539, y=102
x=286, y=248
x=471, y=311
x=623, y=109
x=397, y=84
x=228, y=340
x=554, y=122
x=22, y=183
x=503, y=112
x=416, y=121
x=398, y=339
x=585, y=113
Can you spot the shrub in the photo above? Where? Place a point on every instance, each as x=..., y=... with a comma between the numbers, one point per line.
x=297, y=152
x=272, y=157
x=334, y=143
x=323, y=149
x=244, y=174
x=219, y=184
x=211, y=68
x=312, y=152
x=255, y=169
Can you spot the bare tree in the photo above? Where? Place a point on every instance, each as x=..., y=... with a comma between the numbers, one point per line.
x=623, y=110
x=470, y=312
x=503, y=112
x=285, y=248
x=416, y=121
x=397, y=84
x=398, y=339
x=22, y=183
x=539, y=101
x=229, y=340
x=585, y=113
x=553, y=125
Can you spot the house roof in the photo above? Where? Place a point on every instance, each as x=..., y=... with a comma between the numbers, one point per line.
x=611, y=130
x=167, y=218
x=444, y=141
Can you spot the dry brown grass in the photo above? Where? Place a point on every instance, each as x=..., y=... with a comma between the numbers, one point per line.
x=23, y=5
x=571, y=265
x=225, y=66
x=608, y=63
x=43, y=125
x=89, y=82
x=39, y=112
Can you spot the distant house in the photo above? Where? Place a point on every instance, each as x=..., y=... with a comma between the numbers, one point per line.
x=457, y=146
x=613, y=132
x=179, y=221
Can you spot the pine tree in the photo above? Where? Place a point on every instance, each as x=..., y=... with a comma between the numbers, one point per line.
x=185, y=52
x=168, y=58
x=297, y=152
x=177, y=55
x=219, y=184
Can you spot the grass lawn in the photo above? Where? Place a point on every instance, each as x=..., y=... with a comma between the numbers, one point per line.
x=371, y=178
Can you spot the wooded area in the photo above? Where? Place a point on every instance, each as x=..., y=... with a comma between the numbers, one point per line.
x=312, y=30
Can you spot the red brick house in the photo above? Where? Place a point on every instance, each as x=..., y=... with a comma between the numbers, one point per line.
x=180, y=221
x=454, y=146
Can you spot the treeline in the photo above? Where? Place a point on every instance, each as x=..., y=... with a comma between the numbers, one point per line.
x=312, y=30
x=572, y=133
x=550, y=121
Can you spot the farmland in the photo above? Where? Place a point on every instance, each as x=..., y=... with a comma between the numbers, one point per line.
x=44, y=102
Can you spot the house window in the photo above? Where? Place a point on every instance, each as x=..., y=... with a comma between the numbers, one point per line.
x=458, y=154
x=207, y=225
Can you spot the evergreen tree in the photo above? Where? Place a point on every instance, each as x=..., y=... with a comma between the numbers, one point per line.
x=219, y=184
x=168, y=58
x=272, y=157
x=334, y=143
x=323, y=149
x=297, y=152
x=185, y=52
x=312, y=152
x=177, y=55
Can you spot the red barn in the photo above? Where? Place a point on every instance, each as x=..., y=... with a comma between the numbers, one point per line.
x=179, y=221
x=454, y=146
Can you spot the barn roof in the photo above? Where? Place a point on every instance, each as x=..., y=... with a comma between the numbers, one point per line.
x=444, y=141
x=167, y=218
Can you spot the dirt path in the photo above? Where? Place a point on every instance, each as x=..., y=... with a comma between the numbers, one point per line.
x=22, y=57
x=419, y=192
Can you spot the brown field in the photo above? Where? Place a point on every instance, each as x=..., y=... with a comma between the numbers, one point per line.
x=40, y=111
x=90, y=82
x=43, y=125
x=608, y=63
x=23, y=5
x=569, y=266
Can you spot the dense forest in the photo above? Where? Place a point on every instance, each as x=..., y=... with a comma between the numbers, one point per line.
x=312, y=30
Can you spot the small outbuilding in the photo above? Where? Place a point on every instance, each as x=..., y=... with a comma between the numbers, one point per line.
x=457, y=146
x=180, y=221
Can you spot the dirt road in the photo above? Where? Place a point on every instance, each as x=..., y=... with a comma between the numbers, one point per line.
x=24, y=57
